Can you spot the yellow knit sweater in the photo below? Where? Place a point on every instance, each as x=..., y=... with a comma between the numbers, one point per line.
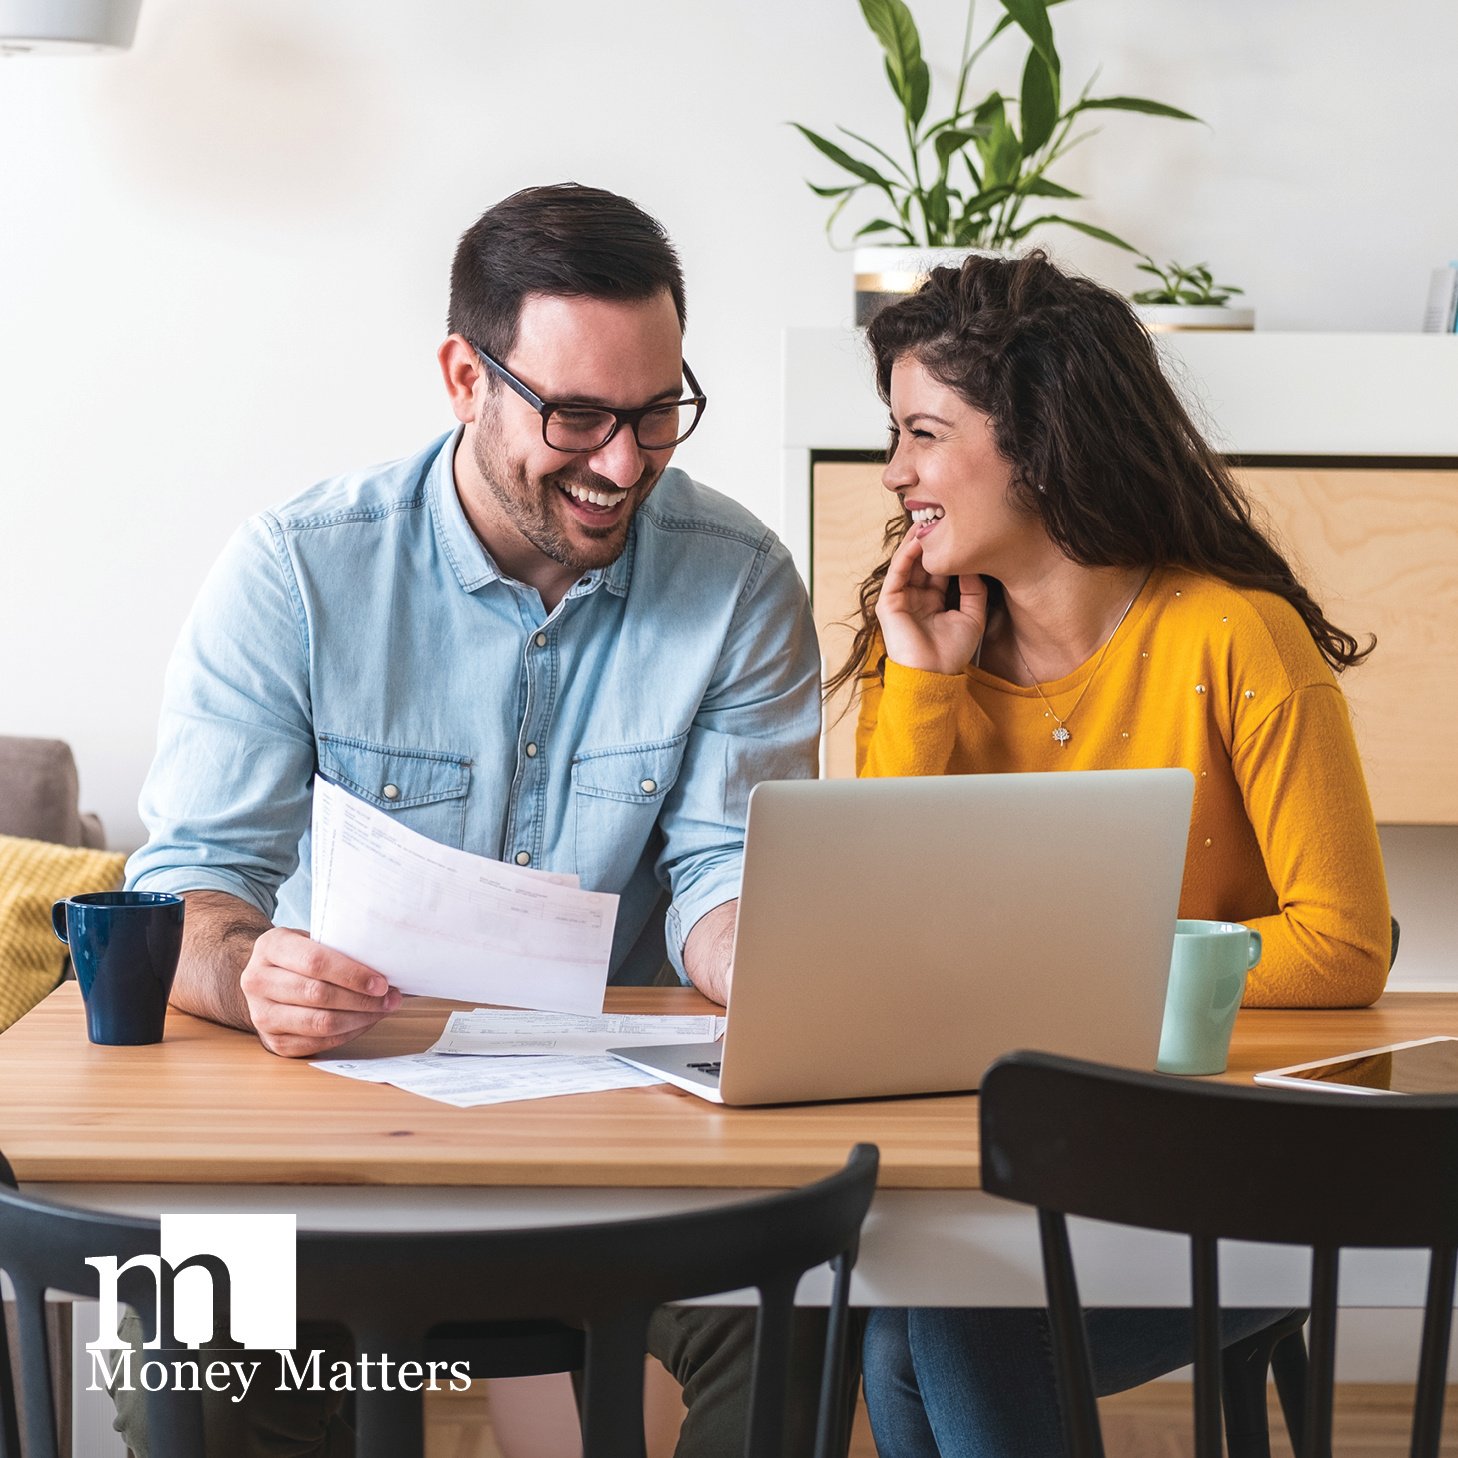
x=1229, y=684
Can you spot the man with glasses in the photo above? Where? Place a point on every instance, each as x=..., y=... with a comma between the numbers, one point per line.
x=535, y=640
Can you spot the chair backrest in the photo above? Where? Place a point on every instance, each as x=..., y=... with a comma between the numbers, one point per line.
x=391, y=1289
x=1217, y=1161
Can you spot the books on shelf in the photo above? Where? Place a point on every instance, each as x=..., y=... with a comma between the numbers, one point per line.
x=1441, y=314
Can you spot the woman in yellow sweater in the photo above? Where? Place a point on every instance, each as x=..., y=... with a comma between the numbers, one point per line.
x=1077, y=583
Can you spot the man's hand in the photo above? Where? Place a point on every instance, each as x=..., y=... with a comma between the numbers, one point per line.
x=708, y=951
x=304, y=998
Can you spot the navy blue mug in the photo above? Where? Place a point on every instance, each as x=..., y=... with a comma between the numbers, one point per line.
x=124, y=946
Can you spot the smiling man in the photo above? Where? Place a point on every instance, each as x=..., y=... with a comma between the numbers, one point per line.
x=535, y=640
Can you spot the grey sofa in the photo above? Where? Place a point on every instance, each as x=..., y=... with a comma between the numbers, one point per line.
x=39, y=795
x=39, y=799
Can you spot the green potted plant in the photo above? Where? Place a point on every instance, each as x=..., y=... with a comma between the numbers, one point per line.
x=1188, y=298
x=963, y=180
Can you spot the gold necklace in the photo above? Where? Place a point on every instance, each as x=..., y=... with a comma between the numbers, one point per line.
x=1062, y=734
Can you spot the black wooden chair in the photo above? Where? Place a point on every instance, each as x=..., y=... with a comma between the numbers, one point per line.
x=394, y=1290
x=1217, y=1161
x=1280, y=1352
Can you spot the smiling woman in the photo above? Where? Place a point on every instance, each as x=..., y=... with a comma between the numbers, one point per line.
x=1077, y=583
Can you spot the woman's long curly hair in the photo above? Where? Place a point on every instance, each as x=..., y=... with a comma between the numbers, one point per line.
x=1102, y=451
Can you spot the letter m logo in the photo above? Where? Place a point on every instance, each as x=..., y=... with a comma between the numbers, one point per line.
x=218, y=1277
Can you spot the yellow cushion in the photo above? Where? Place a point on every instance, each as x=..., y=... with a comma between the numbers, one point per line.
x=33, y=874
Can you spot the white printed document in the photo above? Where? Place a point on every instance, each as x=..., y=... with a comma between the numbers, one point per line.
x=517, y=1034
x=468, y=1082
x=444, y=923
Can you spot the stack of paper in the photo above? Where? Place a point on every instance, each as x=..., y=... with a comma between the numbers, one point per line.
x=493, y=1057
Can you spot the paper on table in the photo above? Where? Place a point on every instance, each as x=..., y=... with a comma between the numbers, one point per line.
x=445, y=923
x=468, y=1082
x=489, y=1032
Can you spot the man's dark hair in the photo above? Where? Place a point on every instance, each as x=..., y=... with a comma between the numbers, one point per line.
x=565, y=240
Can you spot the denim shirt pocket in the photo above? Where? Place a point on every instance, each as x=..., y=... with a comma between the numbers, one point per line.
x=616, y=796
x=425, y=789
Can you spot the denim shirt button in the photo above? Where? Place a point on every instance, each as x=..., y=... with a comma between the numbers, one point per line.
x=523, y=858
x=541, y=640
x=531, y=751
x=648, y=786
x=391, y=792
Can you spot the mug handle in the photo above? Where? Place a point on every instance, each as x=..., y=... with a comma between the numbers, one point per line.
x=58, y=920
x=1255, y=948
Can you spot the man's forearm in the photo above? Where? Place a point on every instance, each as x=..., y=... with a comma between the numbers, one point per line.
x=218, y=936
x=709, y=951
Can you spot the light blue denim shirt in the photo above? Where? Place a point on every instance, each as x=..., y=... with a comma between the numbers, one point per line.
x=363, y=630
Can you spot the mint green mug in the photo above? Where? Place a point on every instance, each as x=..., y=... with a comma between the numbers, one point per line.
x=1207, y=975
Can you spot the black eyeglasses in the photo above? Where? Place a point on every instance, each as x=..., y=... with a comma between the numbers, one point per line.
x=568, y=425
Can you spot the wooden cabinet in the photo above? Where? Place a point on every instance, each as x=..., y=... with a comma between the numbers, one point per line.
x=849, y=509
x=1378, y=549
x=1376, y=546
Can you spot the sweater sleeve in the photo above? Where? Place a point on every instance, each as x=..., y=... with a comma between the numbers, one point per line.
x=908, y=726
x=1329, y=943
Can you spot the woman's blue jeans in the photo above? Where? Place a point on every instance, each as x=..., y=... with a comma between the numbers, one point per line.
x=979, y=1383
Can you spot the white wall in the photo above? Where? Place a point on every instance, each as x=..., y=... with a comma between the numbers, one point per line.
x=223, y=255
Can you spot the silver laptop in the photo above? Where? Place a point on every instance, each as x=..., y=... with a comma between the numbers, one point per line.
x=896, y=936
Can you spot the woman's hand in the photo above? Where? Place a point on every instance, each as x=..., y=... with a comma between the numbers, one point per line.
x=919, y=630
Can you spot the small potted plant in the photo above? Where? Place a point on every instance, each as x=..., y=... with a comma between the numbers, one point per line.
x=1188, y=298
x=962, y=180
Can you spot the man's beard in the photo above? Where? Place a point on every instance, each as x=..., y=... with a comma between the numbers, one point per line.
x=528, y=503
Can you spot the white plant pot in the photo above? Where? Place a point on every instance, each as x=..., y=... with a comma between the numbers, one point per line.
x=884, y=275
x=60, y=27
x=1172, y=318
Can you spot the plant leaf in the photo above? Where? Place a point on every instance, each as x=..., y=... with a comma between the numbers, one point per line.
x=918, y=91
x=998, y=145
x=1039, y=103
x=832, y=191
x=1003, y=155
x=1088, y=228
x=1046, y=187
x=1131, y=103
x=1032, y=17
x=973, y=232
x=1001, y=26
x=880, y=151
x=882, y=225
x=983, y=201
x=954, y=139
x=892, y=25
x=842, y=158
x=938, y=211
x=976, y=218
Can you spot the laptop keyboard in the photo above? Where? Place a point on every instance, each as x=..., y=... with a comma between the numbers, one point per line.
x=710, y=1068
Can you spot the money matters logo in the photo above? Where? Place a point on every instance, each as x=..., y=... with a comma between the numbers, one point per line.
x=226, y=1290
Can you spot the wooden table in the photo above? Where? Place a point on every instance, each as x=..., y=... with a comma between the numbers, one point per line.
x=209, y=1120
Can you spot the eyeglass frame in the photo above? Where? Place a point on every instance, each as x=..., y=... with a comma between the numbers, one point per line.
x=630, y=418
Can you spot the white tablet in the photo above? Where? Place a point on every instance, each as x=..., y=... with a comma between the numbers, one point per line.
x=1424, y=1066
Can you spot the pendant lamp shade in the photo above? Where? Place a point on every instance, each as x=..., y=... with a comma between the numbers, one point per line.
x=66, y=27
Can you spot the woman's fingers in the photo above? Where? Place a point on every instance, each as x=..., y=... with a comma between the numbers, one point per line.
x=907, y=574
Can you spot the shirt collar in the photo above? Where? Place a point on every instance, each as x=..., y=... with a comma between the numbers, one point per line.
x=474, y=566
x=471, y=562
